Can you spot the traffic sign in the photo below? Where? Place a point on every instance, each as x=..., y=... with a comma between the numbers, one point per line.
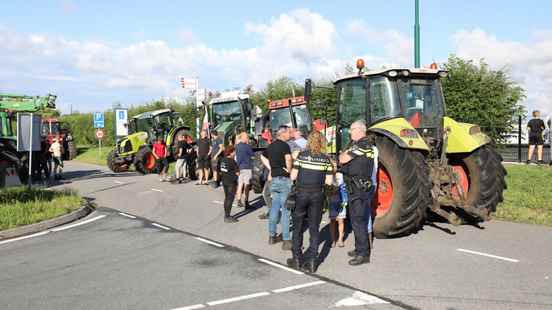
x=121, y=122
x=99, y=120
x=99, y=134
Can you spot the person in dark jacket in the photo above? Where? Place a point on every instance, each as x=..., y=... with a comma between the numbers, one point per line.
x=311, y=170
x=229, y=171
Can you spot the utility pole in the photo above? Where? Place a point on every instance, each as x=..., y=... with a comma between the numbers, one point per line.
x=417, y=35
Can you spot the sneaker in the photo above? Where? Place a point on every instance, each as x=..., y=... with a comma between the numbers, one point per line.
x=274, y=239
x=528, y=162
x=240, y=204
x=263, y=216
x=287, y=245
x=230, y=220
x=359, y=260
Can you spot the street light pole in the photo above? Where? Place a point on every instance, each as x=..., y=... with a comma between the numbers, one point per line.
x=417, y=35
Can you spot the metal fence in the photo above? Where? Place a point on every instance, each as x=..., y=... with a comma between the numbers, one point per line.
x=517, y=149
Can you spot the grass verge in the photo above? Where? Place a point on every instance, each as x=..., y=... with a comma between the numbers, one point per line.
x=19, y=206
x=528, y=198
x=92, y=154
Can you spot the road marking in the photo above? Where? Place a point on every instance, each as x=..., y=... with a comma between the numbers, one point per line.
x=234, y=299
x=210, y=242
x=218, y=202
x=296, y=287
x=119, y=182
x=79, y=224
x=512, y=260
x=127, y=215
x=156, y=190
x=25, y=237
x=359, y=299
x=279, y=266
x=193, y=307
x=160, y=226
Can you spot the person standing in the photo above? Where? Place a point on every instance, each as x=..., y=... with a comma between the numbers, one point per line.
x=358, y=168
x=181, y=166
x=299, y=139
x=277, y=159
x=536, y=129
x=217, y=148
x=312, y=169
x=56, y=149
x=160, y=154
x=338, y=212
x=244, y=153
x=230, y=173
x=203, y=153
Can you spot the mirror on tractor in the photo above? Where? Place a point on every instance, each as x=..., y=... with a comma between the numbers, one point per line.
x=308, y=89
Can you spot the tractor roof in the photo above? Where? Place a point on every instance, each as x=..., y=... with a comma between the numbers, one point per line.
x=229, y=96
x=151, y=114
x=386, y=71
x=284, y=103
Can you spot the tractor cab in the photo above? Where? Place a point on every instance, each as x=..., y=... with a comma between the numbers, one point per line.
x=291, y=112
x=231, y=114
x=377, y=96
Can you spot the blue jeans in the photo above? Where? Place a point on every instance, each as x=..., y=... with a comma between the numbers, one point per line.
x=279, y=191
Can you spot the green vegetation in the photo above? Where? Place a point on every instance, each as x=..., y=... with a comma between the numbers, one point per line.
x=92, y=155
x=19, y=206
x=528, y=198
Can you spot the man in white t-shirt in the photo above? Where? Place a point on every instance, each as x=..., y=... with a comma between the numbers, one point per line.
x=57, y=155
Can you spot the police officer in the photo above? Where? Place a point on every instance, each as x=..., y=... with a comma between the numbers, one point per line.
x=359, y=168
x=311, y=170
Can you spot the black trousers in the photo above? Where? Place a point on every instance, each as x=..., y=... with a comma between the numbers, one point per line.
x=229, y=194
x=358, y=204
x=308, y=204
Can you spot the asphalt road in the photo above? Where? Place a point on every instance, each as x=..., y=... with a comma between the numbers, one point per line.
x=497, y=266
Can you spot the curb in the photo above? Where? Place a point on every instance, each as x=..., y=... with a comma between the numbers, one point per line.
x=47, y=224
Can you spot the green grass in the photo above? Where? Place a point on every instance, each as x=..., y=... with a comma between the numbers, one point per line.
x=19, y=206
x=92, y=155
x=528, y=198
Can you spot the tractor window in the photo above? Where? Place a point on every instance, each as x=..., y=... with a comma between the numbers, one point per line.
x=227, y=111
x=56, y=128
x=383, y=99
x=164, y=121
x=279, y=118
x=352, y=106
x=302, y=118
x=423, y=102
x=143, y=124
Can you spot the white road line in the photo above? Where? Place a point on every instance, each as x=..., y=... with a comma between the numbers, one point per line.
x=156, y=190
x=279, y=266
x=193, y=307
x=160, y=226
x=127, y=215
x=359, y=299
x=25, y=237
x=210, y=242
x=119, y=182
x=79, y=224
x=296, y=287
x=234, y=299
x=512, y=260
x=218, y=202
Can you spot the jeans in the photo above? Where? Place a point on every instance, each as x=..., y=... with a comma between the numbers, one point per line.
x=180, y=168
x=229, y=194
x=279, y=191
x=359, y=206
x=307, y=205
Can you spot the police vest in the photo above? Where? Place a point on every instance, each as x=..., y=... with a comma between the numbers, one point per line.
x=312, y=169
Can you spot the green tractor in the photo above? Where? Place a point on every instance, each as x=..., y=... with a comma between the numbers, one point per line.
x=230, y=114
x=9, y=106
x=428, y=162
x=135, y=149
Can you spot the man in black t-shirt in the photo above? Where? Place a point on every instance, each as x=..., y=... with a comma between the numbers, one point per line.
x=536, y=129
x=229, y=171
x=203, y=153
x=277, y=159
x=182, y=155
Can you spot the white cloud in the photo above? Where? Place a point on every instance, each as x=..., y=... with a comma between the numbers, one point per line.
x=530, y=63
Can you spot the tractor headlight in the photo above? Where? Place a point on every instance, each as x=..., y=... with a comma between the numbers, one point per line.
x=475, y=130
x=392, y=73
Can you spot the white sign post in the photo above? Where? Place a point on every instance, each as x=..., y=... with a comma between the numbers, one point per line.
x=193, y=84
x=100, y=136
x=121, y=122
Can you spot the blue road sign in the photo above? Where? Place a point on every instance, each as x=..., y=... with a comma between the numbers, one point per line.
x=99, y=120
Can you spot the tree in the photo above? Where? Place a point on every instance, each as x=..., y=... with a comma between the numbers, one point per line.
x=276, y=89
x=476, y=94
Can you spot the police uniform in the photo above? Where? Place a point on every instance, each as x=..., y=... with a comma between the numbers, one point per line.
x=312, y=171
x=359, y=175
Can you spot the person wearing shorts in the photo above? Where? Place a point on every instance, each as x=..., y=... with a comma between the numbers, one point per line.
x=244, y=153
x=160, y=154
x=338, y=211
x=536, y=129
x=203, y=153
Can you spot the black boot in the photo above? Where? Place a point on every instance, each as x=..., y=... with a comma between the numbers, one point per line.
x=359, y=260
x=310, y=265
x=294, y=263
x=352, y=253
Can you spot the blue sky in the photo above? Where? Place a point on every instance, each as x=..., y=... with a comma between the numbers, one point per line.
x=94, y=53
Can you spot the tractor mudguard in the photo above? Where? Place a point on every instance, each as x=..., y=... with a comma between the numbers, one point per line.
x=401, y=132
x=137, y=140
x=463, y=137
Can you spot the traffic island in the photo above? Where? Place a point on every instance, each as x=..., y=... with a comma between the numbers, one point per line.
x=24, y=211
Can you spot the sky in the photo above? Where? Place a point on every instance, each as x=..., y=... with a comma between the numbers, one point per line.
x=93, y=54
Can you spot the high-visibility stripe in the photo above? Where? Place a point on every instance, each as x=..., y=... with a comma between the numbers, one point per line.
x=309, y=166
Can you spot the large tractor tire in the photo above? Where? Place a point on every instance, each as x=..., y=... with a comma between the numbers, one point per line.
x=482, y=179
x=144, y=161
x=404, y=190
x=258, y=172
x=114, y=164
x=501, y=173
x=71, y=150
